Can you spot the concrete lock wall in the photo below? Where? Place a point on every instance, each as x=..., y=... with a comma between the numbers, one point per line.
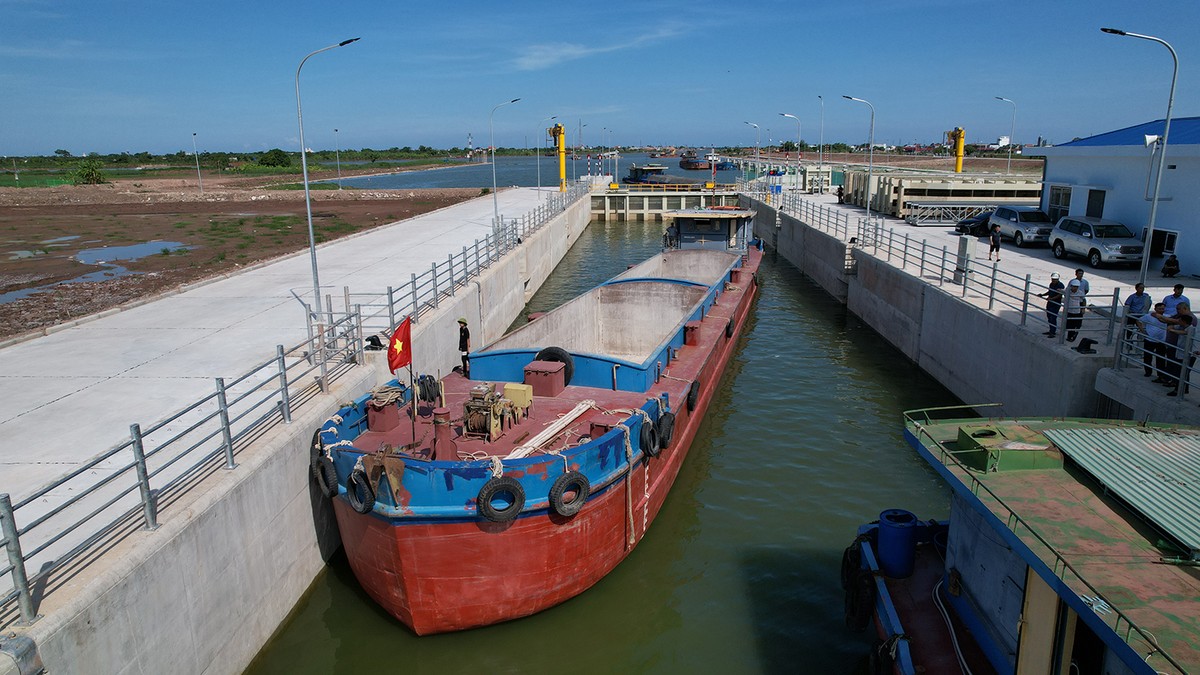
x=980, y=357
x=206, y=590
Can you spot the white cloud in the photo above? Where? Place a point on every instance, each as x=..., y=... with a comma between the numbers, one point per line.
x=543, y=56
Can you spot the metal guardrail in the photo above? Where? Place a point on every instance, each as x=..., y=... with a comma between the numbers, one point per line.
x=1013, y=520
x=1000, y=289
x=72, y=519
x=382, y=312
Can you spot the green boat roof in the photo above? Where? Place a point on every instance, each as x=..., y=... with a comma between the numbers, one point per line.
x=1117, y=519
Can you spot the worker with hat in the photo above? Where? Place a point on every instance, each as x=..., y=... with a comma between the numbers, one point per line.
x=464, y=345
x=1053, y=296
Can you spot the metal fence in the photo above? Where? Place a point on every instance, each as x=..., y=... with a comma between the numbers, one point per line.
x=76, y=518
x=423, y=293
x=981, y=284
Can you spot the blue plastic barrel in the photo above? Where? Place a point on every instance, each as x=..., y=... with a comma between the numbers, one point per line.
x=897, y=543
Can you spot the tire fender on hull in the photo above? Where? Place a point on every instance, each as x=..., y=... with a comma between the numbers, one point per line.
x=568, y=483
x=498, y=487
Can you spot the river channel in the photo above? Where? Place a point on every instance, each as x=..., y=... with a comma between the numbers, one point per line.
x=739, y=573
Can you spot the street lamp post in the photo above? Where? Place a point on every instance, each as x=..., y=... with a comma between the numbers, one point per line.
x=337, y=154
x=756, y=139
x=539, y=152
x=870, y=151
x=1012, y=131
x=821, y=148
x=1162, y=147
x=797, y=145
x=199, y=180
x=312, y=241
x=492, y=133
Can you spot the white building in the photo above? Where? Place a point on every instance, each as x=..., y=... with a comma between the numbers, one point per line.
x=1111, y=175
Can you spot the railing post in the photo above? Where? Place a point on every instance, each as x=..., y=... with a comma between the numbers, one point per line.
x=942, y=271
x=223, y=410
x=391, y=293
x=1112, y=317
x=308, y=320
x=414, y=299
x=285, y=403
x=924, y=250
x=992, y=291
x=16, y=560
x=149, y=506
x=466, y=266
x=433, y=275
x=1185, y=365
x=450, y=267
x=361, y=352
x=966, y=274
x=322, y=381
x=904, y=253
x=1025, y=301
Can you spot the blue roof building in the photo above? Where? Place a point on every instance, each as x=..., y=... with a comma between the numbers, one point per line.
x=1111, y=175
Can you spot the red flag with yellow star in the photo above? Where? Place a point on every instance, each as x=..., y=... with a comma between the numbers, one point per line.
x=400, y=347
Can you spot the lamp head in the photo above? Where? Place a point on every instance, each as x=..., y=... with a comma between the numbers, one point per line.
x=1112, y=31
x=343, y=43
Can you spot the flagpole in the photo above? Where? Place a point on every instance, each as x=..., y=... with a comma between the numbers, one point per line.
x=412, y=388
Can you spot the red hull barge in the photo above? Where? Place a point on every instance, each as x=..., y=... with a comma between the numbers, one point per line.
x=523, y=486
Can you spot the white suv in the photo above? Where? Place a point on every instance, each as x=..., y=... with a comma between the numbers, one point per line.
x=1100, y=241
x=1022, y=224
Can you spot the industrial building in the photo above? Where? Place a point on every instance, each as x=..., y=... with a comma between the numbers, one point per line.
x=1112, y=175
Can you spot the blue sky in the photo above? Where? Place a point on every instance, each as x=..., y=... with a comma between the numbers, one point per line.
x=124, y=75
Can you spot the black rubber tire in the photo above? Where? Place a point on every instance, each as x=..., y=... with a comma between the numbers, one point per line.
x=427, y=388
x=860, y=601
x=1059, y=250
x=666, y=429
x=1018, y=240
x=851, y=563
x=693, y=395
x=648, y=439
x=571, y=481
x=325, y=473
x=316, y=448
x=498, y=486
x=729, y=329
x=558, y=355
x=359, y=492
x=1094, y=259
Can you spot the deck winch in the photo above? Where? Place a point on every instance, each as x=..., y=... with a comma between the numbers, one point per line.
x=487, y=413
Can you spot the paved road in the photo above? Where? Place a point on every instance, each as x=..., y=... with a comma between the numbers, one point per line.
x=68, y=396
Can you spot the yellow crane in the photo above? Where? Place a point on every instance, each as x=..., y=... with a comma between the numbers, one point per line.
x=956, y=138
x=559, y=133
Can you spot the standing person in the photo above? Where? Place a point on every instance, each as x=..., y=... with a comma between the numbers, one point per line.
x=994, y=241
x=1155, y=344
x=1076, y=306
x=1083, y=283
x=1053, y=296
x=841, y=193
x=464, y=345
x=1136, y=305
x=1173, y=300
x=1177, y=356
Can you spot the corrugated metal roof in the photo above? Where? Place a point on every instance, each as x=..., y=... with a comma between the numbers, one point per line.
x=1156, y=472
x=1184, y=131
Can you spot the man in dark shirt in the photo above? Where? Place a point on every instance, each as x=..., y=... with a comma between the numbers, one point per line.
x=464, y=345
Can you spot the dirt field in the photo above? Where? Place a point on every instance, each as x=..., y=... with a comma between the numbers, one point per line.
x=234, y=223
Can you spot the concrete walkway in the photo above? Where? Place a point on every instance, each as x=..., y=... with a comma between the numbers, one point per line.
x=71, y=395
x=1036, y=260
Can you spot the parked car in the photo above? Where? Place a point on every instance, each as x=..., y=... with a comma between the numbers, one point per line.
x=976, y=226
x=1022, y=224
x=1100, y=241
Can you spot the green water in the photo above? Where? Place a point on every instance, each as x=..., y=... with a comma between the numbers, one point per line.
x=739, y=573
